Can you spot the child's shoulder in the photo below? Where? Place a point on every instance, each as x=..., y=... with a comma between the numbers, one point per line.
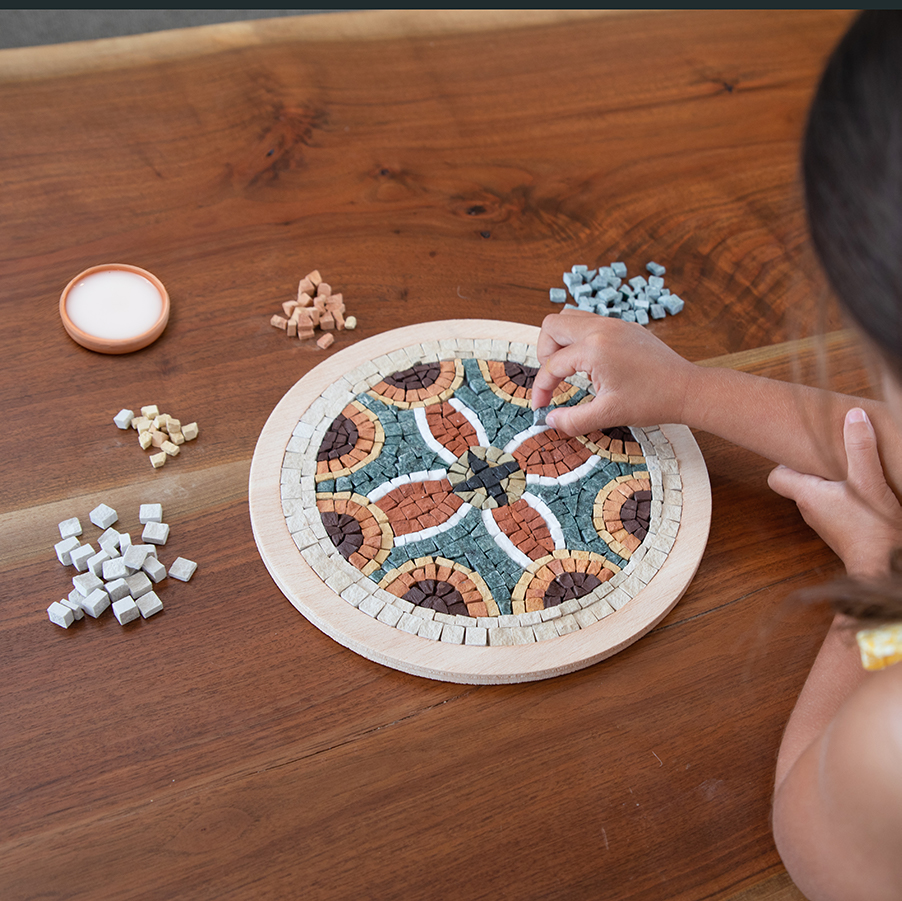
x=840, y=808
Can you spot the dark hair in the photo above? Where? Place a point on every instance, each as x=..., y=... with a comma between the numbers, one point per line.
x=852, y=172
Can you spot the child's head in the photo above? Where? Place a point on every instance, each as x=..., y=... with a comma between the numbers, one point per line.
x=852, y=168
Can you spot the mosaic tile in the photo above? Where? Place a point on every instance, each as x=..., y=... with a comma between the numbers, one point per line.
x=420, y=490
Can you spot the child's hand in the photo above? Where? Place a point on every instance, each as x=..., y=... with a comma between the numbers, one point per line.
x=860, y=518
x=638, y=379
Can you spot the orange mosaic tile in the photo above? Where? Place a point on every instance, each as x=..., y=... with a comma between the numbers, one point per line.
x=521, y=522
x=403, y=506
x=551, y=454
x=451, y=428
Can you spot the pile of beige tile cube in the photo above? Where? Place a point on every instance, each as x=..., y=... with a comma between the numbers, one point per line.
x=158, y=432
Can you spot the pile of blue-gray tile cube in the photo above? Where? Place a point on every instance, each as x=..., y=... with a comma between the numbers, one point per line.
x=608, y=292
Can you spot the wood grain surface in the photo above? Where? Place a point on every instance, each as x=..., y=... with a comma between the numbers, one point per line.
x=430, y=169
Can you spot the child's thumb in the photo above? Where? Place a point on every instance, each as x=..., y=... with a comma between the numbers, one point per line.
x=865, y=472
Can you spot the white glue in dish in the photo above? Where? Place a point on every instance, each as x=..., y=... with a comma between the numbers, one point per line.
x=115, y=308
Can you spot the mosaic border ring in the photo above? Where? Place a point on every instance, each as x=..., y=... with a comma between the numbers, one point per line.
x=407, y=506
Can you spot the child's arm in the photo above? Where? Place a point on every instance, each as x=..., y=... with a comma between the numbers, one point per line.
x=640, y=381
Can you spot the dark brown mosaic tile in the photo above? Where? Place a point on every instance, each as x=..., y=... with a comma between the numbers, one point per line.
x=522, y=376
x=423, y=375
x=569, y=585
x=344, y=531
x=339, y=440
x=618, y=433
x=635, y=514
x=438, y=595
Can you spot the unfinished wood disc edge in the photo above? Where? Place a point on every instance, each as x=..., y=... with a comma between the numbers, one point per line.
x=432, y=659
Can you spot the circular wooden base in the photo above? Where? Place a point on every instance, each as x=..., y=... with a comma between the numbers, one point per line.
x=435, y=659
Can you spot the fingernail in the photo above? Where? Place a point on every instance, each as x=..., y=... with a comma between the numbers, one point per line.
x=856, y=414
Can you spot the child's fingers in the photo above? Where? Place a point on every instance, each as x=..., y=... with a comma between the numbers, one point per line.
x=559, y=330
x=797, y=486
x=549, y=376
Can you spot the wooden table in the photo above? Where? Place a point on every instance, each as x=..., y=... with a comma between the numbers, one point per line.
x=431, y=166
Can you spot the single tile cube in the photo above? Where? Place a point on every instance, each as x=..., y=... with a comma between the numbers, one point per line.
x=158, y=460
x=150, y=513
x=110, y=543
x=60, y=615
x=96, y=602
x=123, y=418
x=115, y=569
x=125, y=541
x=103, y=516
x=149, y=604
x=182, y=569
x=74, y=606
x=155, y=533
x=79, y=556
x=540, y=414
x=135, y=556
x=190, y=431
x=116, y=589
x=70, y=527
x=150, y=412
x=138, y=584
x=95, y=563
x=64, y=549
x=125, y=610
x=154, y=569
x=86, y=583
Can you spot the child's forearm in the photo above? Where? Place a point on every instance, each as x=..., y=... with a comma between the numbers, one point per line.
x=640, y=381
x=798, y=426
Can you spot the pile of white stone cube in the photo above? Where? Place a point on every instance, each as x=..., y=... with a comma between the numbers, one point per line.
x=118, y=574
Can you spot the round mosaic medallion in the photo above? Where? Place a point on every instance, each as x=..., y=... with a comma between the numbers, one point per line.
x=452, y=537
